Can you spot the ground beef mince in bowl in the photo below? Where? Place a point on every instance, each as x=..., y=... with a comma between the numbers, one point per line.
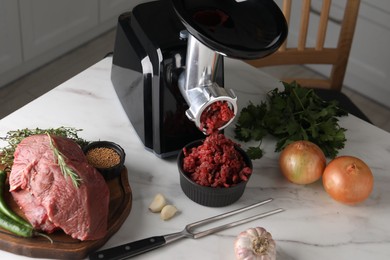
x=215, y=163
x=215, y=116
x=214, y=171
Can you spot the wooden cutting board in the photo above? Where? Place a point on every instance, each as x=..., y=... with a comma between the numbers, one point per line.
x=64, y=246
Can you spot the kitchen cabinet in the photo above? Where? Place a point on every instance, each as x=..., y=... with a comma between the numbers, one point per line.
x=109, y=10
x=10, y=44
x=46, y=24
x=35, y=32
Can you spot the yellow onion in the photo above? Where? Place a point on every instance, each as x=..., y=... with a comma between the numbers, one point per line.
x=348, y=180
x=302, y=162
x=255, y=244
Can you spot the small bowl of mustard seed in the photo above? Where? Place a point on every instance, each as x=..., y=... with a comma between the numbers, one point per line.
x=107, y=157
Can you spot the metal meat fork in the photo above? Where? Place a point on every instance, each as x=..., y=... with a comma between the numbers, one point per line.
x=144, y=245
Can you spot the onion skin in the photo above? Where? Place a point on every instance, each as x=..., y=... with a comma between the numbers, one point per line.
x=302, y=162
x=255, y=244
x=348, y=180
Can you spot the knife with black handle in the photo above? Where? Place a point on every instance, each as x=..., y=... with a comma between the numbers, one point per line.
x=130, y=249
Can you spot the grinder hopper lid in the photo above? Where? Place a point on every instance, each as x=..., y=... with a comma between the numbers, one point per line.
x=243, y=29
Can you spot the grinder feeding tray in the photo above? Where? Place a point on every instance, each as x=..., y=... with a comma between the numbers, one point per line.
x=168, y=63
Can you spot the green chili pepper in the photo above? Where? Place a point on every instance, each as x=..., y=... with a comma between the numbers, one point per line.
x=15, y=227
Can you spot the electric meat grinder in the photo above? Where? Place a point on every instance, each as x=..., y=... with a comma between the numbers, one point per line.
x=168, y=64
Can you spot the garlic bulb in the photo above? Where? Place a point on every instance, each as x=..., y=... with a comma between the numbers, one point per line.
x=255, y=244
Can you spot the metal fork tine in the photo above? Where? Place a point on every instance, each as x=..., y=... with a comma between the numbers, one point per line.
x=225, y=215
x=235, y=223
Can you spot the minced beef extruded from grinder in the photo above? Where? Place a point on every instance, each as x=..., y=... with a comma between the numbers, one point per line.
x=215, y=116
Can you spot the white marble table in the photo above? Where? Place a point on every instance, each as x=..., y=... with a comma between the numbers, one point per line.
x=313, y=226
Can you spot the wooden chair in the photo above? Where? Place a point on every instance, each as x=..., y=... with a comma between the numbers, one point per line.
x=336, y=56
x=302, y=54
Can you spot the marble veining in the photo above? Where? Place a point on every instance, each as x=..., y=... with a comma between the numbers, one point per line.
x=313, y=226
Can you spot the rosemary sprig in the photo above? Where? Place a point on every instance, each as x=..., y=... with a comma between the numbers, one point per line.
x=65, y=169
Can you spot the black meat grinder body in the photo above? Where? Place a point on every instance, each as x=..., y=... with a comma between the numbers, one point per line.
x=149, y=61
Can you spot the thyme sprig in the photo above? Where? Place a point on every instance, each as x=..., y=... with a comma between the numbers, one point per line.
x=16, y=136
x=65, y=169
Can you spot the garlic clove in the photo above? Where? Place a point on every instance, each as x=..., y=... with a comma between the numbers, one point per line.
x=168, y=212
x=158, y=203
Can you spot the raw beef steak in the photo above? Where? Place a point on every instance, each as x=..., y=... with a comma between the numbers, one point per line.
x=49, y=199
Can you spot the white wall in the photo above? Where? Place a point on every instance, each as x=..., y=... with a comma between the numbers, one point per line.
x=368, y=70
x=369, y=66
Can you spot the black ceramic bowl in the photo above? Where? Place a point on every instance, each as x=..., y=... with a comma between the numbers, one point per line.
x=210, y=196
x=102, y=159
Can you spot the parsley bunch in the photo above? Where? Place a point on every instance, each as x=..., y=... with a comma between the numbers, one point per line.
x=294, y=114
